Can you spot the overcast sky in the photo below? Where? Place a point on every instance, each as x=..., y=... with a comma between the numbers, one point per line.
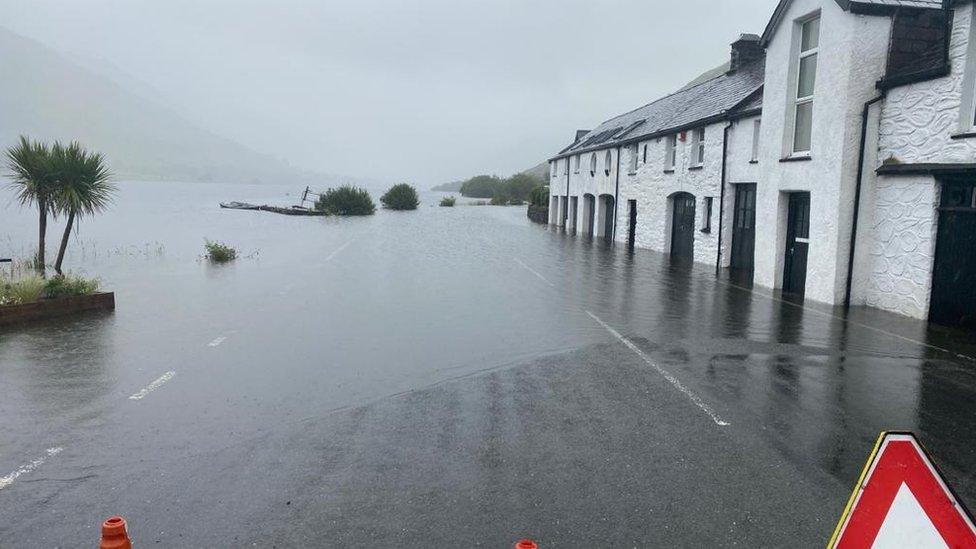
x=425, y=90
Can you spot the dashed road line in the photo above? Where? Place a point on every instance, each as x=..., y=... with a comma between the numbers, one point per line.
x=153, y=386
x=533, y=271
x=667, y=375
x=217, y=341
x=28, y=467
x=338, y=251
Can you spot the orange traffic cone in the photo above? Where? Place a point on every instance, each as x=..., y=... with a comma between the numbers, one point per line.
x=114, y=535
x=526, y=544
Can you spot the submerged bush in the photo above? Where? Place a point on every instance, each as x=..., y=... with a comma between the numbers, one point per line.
x=69, y=285
x=400, y=197
x=448, y=202
x=500, y=199
x=346, y=200
x=219, y=252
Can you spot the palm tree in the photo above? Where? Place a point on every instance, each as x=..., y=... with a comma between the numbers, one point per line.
x=33, y=179
x=82, y=187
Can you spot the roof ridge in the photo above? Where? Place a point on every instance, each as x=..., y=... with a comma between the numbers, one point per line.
x=672, y=94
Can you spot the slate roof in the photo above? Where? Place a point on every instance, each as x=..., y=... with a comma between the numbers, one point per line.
x=866, y=7
x=710, y=100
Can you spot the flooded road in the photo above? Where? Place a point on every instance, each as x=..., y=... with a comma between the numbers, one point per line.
x=450, y=375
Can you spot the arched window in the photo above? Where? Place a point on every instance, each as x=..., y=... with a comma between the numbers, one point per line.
x=606, y=163
x=592, y=164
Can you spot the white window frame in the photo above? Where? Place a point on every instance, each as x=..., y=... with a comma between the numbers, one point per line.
x=670, y=152
x=593, y=164
x=634, y=149
x=698, y=147
x=967, y=118
x=608, y=161
x=800, y=55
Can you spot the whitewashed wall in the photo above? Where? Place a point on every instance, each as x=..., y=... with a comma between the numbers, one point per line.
x=901, y=245
x=651, y=187
x=740, y=169
x=919, y=120
x=852, y=56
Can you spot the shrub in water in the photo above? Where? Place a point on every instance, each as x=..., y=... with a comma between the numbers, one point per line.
x=346, y=200
x=400, y=197
x=220, y=253
x=540, y=196
x=499, y=199
x=68, y=285
x=448, y=201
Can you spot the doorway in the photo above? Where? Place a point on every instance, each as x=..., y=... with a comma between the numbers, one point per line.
x=953, y=299
x=683, y=226
x=606, y=217
x=573, y=206
x=632, y=225
x=744, y=228
x=589, y=214
x=797, y=244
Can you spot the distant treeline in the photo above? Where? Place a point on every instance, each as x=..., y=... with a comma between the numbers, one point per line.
x=514, y=189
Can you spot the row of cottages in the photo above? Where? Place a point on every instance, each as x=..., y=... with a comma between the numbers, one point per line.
x=834, y=157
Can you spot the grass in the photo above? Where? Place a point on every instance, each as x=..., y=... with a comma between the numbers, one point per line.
x=29, y=289
x=219, y=252
x=448, y=202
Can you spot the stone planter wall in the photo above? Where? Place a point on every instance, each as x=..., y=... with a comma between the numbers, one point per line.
x=539, y=214
x=51, y=308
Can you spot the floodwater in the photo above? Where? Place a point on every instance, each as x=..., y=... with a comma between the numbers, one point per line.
x=400, y=378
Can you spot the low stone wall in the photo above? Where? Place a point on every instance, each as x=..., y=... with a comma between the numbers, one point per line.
x=52, y=308
x=539, y=214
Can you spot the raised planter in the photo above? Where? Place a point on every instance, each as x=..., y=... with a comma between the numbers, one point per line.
x=539, y=214
x=52, y=308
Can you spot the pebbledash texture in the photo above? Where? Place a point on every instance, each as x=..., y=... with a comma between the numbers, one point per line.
x=833, y=156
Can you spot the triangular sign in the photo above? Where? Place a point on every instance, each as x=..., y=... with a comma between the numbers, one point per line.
x=901, y=500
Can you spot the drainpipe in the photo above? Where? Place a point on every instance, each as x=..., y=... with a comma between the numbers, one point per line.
x=566, y=209
x=857, y=195
x=721, y=195
x=616, y=199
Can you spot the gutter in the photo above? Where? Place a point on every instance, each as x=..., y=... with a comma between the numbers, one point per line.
x=865, y=113
x=721, y=195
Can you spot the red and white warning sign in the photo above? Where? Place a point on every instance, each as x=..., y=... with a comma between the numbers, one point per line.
x=901, y=500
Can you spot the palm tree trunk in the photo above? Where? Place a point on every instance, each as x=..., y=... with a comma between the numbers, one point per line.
x=42, y=233
x=64, y=242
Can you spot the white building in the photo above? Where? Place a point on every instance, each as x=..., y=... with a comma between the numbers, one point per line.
x=834, y=158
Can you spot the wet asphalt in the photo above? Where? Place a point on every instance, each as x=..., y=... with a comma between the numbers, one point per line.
x=447, y=377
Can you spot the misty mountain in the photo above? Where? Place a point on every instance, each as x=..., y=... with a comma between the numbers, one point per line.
x=47, y=96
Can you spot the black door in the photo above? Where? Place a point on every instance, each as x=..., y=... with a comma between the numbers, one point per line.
x=608, y=220
x=797, y=243
x=954, y=275
x=744, y=227
x=683, y=226
x=632, y=227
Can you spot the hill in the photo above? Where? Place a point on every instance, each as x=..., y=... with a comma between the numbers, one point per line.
x=47, y=96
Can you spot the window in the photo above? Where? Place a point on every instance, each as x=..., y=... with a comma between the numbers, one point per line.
x=633, y=158
x=606, y=163
x=805, y=82
x=698, y=147
x=645, y=154
x=576, y=170
x=670, y=150
x=592, y=164
x=707, y=222
x=756, y=125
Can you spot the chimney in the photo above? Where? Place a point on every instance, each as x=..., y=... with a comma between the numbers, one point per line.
x=745, y=50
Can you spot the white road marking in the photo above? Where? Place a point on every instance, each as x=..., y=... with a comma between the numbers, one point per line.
x=338, y=250
x=533, y=271
x=667, y=375
x=153, y=386
x=28, y=467
x=217, y=341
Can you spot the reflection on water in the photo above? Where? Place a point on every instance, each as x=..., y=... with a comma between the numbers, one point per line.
x=326, y=313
